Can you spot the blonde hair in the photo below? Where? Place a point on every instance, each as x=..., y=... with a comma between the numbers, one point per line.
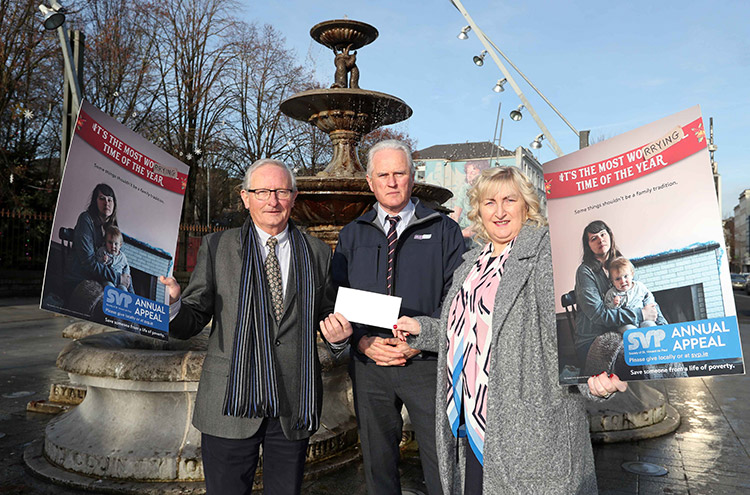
x=489, y=182
x=619, y=264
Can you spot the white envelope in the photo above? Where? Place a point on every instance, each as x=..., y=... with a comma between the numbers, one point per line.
x=368, y=308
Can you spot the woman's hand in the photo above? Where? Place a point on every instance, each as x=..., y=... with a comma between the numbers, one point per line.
x=404, y=327
x=604, y=385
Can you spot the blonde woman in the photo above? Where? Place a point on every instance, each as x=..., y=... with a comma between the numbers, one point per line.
x=504, y=424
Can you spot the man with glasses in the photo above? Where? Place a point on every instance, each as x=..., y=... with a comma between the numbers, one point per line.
x=400, y=248
x=266, y=288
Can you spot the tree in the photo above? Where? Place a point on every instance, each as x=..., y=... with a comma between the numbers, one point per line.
x=121, y=71
x=264, y=74
x=194, y=49
x=29, y=108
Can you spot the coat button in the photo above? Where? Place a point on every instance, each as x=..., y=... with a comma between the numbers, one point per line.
x=278, y=342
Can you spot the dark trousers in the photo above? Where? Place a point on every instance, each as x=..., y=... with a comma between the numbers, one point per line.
x=229, y=464
x=379, y=394
x=474, y=473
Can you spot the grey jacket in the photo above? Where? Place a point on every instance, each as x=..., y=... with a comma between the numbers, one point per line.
x=213, y=293
x=536, y=436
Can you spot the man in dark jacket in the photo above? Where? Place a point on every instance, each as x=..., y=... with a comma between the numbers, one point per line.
x=400, y=248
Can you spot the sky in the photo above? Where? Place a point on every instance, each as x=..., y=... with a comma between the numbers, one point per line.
x=608, y=67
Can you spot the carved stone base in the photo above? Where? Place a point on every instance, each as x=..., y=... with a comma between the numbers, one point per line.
x=640, y=412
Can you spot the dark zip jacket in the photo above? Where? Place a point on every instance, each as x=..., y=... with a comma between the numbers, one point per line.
x=427, y=252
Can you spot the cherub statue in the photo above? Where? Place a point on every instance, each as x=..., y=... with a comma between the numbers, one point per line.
x=346, y=64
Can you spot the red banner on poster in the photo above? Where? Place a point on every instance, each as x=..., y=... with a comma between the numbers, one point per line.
x=129, y=158
x=677, y=144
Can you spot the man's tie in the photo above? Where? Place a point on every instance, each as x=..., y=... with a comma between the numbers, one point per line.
x=391, y=251
x=273, y=274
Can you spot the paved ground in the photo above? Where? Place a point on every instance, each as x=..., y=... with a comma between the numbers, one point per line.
x=708, y=454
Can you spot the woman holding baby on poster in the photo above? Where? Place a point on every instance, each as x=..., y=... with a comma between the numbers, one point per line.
x=603, y=279
x=89, y=236
x=504, y=424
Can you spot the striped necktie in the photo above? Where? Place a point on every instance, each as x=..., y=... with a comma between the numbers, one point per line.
x=392, y=238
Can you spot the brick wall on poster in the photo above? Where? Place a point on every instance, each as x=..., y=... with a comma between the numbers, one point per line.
x=695, y=265
x=149, y=260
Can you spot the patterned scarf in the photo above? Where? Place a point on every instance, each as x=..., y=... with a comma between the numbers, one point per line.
x=469, y=348
x=252, y=388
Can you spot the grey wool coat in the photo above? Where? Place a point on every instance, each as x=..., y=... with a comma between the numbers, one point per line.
x=213, y=293
x=537, y=435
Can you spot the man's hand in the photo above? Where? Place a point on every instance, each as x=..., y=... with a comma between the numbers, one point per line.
x=407, y=351
x=104, y=258
x=649, y=312
x=386, y=352
x=616, y=301
x=173, y=287
x=336, y=328
x=125, y=279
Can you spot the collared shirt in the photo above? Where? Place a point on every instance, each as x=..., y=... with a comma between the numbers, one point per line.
x=283, y=253
x=406, y=215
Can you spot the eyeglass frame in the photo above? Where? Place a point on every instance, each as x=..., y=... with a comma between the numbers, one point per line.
x=258, y=192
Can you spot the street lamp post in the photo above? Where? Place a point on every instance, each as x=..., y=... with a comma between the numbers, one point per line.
x=493, y=50
x=54, y=19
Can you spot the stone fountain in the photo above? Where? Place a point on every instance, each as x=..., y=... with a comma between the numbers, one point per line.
x=339, y=194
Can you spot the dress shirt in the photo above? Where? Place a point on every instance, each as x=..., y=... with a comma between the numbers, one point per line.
x=406, y=215
x=283, y=253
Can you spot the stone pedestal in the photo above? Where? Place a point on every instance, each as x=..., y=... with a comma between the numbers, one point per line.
x=133, y=433
x=639, y=413
x=135, y=420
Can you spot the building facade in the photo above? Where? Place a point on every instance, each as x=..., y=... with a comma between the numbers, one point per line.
x=455, y=167
x=741, y=254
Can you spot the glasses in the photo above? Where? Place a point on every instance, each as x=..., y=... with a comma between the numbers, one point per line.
x=264, y=194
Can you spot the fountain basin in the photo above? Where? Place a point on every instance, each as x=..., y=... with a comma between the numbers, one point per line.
x=337, y=34
x=345, y=114
x=135, y=423
x=351, y=109
x=325, y=204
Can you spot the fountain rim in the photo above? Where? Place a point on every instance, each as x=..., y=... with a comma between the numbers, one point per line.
x=352, y=95
x=368, y=32
x=343, y=91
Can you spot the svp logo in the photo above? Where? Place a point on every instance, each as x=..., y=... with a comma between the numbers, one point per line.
x=644, y=340
x=119, y=298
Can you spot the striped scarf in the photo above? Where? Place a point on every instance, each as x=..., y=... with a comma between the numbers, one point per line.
x=252, y=387
x=469, y=342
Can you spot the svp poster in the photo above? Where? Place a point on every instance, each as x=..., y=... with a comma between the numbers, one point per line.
x=641, y=278
x=115, y=228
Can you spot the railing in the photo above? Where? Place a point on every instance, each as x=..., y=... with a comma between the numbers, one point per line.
x=190, y=237
x=24, y=241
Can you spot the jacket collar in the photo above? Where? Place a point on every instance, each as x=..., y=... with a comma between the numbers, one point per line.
x=421, y=214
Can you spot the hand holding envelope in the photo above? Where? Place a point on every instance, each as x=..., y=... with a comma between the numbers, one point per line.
x=368, y=308
x=406, y=326
x=378, y=310
x=335, y=328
